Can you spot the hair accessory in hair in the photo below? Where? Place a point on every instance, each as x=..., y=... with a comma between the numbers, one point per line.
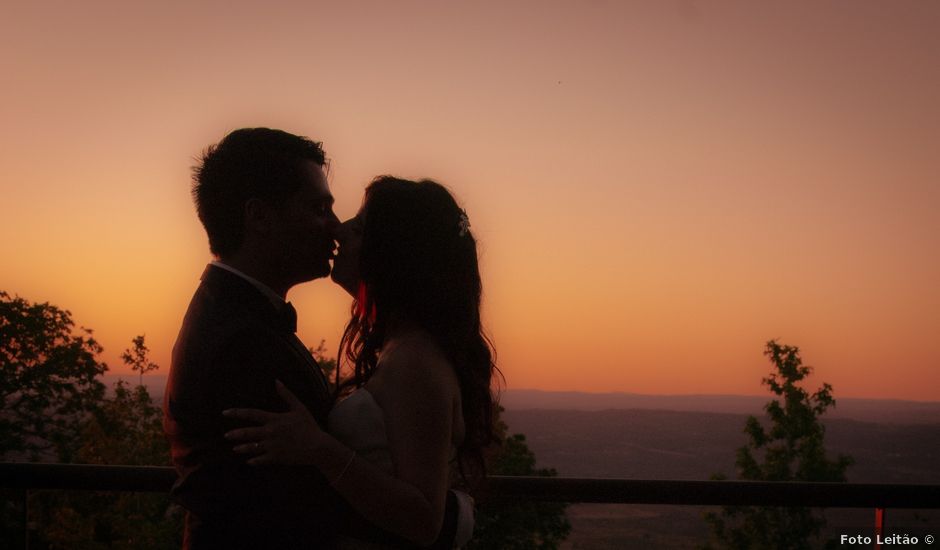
x=463, y=223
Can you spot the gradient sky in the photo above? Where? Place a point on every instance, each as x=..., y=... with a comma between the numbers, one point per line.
x=658, y=188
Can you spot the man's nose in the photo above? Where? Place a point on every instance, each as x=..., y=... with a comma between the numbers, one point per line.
x=343, y=230
x=333, y=223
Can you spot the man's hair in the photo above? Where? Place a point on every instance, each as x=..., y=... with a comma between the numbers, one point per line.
x=248, y=163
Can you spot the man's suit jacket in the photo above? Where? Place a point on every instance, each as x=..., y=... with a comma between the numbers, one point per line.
x=233, y=344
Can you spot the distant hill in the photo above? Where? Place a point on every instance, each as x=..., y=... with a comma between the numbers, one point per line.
x=651, y=444
x=883, y=411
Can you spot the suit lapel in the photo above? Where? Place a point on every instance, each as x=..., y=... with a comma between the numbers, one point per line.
x=315, y=372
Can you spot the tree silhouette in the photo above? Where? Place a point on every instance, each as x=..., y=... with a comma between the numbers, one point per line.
x=136, y=358
x=327, y=364
x=48, y=380
x=791, y=448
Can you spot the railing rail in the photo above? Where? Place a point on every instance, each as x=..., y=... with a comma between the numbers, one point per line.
x=32, y=476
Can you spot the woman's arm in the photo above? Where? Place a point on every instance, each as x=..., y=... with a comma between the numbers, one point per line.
x=417, y=397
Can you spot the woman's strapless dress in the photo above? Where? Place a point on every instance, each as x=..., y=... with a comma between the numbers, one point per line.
x=359, y=423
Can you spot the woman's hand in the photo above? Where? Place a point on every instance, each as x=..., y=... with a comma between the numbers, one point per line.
x=292, y=437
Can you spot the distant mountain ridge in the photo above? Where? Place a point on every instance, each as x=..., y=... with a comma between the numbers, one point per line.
x=883, y=411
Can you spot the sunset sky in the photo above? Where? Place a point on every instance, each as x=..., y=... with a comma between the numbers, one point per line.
x=658, y=188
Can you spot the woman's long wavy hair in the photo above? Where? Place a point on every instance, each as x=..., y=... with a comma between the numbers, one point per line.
x=418, y=262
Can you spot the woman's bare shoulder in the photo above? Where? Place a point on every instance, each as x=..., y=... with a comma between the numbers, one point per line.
x=415, y=375
x=416, y=362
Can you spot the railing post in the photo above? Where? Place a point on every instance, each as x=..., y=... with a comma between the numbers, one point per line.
x=879, y=526
x=26, y=519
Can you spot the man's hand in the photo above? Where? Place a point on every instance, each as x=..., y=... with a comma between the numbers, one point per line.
x=292, y=437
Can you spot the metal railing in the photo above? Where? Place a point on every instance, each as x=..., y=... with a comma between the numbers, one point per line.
x=626, y=491
x=37, y=476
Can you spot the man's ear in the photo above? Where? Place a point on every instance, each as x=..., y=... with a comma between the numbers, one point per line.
x=258, y=217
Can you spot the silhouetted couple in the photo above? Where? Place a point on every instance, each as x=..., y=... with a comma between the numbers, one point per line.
x=271, y=454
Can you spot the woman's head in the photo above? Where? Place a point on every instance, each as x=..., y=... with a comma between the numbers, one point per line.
x=418, y=259
x=417, y=263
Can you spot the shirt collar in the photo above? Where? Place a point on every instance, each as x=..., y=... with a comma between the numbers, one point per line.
x=263, y=288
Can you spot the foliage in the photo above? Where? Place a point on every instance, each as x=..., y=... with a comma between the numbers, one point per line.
x=126, y=430
x=136, y=358
x=790, y=449
x=48, y=380
x=518, y=524
x=327, y=365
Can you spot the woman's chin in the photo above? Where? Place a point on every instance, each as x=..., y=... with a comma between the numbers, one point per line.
x=342, y=278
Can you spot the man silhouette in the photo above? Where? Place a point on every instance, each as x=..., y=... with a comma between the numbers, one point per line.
x=263, y=199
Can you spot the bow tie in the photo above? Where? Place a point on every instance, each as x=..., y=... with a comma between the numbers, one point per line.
x=288, y=317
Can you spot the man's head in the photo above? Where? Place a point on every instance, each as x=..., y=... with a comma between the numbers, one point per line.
x=263, y=197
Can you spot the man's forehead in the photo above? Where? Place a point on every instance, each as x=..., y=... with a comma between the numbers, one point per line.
x=319, y=187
